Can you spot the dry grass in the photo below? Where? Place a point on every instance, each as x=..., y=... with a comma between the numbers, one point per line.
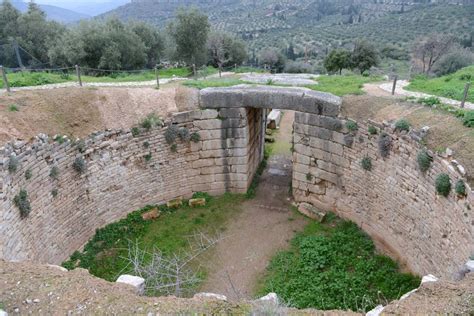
x=445, y=130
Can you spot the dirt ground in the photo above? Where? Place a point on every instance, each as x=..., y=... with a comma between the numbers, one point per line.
x=265, y=226
x=77, y=112
x=446, y=131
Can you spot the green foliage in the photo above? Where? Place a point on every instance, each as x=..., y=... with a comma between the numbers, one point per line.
x=468, y=119
x=372, y=130
x=79, y=165
x=334, y=265
x=54, y=193
x=460, y=188
x=28, y=174
x=195, y=137
x=337, y=60
x=13, y=108
x=174, y=148
x=424, y=160
x=453, y=61
x=366, y=163
x=104, y=254
x=443, y=184
x=202, y=195
x=81, y=146
x=148, y=157
x=343, y=85
x=364, y=56
x=54, y=173
x=352, y=126
x=13, y=164
x=150, y=121
x=135, y=131
x=171, y=134
x=270, y=82
x=212, y=83
x=22, y=202
x=225, y=50
x=402, y=125
x=384, y=144
x=146, y=145
x=273, y=59
x=184, y=135
x=298, y=67
x=450, y=86
x=309, y=177
x=60, y=139
x=429, y=101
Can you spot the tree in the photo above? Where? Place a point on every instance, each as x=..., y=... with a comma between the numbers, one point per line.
x=273, y=58
x=453, y=61
x=153, y=40
x=8, y=20
x=225, y=50
x=190, y=31
x=430, y=49
x=364, y=56
x=337, y=60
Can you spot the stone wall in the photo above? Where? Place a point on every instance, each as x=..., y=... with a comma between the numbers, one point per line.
x=123, y=173
x=395, y=202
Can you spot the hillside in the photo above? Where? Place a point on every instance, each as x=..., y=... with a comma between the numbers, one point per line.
x=53, y=12
x=314, y=26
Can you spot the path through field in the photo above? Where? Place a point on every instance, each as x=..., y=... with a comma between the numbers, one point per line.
x=265, y=226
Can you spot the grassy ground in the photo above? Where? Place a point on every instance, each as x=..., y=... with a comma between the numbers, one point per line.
x=343, y=85
x=24, y=79
x=213, y=83
x=334, y=265
x=104, y=254
x=450, y=86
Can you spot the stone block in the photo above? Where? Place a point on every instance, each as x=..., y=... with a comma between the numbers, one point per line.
x=197, y=202
x=175, y=203
x=310, y=211
x=151, y=215
x=137, y=282
x=210, y=296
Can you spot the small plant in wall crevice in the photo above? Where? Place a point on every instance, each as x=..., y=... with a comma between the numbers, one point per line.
x=443, y=184
x=54, y=173
x=148, y=157
x=460, y=188
x=366, y=163
x=79, y=165
x=28, y=174
x=171, y=134
x=372, y=130
x=22, y=202
x=424, y=160
x=184, y=135
x=309, y=176
x=402, y=125
x=13, y=164
x=352, y=126
x=54, y=193
x=195, y=137
x=174, y=148
x=384, y=144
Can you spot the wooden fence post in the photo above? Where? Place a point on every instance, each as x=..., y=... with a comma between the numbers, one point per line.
x=466, y=91
x=157, y=73
x=194, y=71
x=394, y=85
x=78, y=73
x=5, y=79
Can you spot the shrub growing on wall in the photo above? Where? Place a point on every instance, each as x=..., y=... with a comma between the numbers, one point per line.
x=352, y=126
x=13, y=164
x=372, y=130
x=171, y=134
x=443, y=184
x=22, y=201
x=402, y=125
x=384, y=144
x=54, y=173
x=79, y=165
x=366, y=163
x=424, y=160
x=183, y=134
x=195, y=137
x=460, y=188
x=28, y=174
x=81, y=146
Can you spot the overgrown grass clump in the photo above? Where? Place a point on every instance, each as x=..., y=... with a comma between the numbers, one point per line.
x=343, y=85
x=443, y=184
x=334, y=265
x=104, y=255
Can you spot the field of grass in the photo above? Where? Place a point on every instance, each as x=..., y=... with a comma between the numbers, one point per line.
x=334, y=265
x=104, y=254
x=26, y=79
x=449, y=86
x=343, y=85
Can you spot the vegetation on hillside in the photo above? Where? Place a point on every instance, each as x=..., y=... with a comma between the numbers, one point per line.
x=334, y=265
x=343, y=85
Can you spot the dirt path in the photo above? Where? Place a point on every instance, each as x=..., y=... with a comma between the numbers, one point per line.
x=265, y=226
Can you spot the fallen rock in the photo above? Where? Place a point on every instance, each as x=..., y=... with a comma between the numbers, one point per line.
x=376, y=311
x=57, y=267
x=310, y=211
x=270, y=297
x=470, y=265
x=429, y=278
x=3, y=313
x=175, y=203
x=137, y=282
x=210, y=296
x=150, y=215
x=197, y=202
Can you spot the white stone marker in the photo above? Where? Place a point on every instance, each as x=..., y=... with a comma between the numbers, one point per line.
x=137, y=282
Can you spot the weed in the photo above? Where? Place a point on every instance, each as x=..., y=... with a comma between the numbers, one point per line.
x=270, y=82
x=366, y=163
x=372, y=130
x=151, y=121
x=429, y=101
x=135, y=131
x=309, y=177
x=81, y=146
x=174, y=148
x=28, y=174
x=460, y=188
x=146, y=145
x=184, y=135
x=171, y=134
x=384, y=144
x=60, y=139
x=147, y=157
x=54, y=173
x=424, y=160
x=443, y=184
x=252, y=190
x=54, y=193
x=79, y=165
x=22, y=202
x=402, y=125
x=352, y=126
x=13, y=108
x=13, y=164
x=195, y=137
x=468, y=119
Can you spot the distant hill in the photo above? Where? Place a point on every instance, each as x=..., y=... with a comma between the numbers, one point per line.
x=53, y=12
x=315, y=26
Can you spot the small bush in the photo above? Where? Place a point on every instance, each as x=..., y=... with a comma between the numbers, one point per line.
x=429, y=101
x=366, y=163
x=81, y=146
x=171, y=134
x=60, y=139
x=174, y=148
x=468, y=119
x=135, y=131
x=402, y=125
x=443, y=184
x=13, y=108
x=384, y=144
x=309, y=176
x=54, y=193
x=79, y=165
x=22, y=202
x=183, y=134
x=195, y=137
x=298, y=67
x=13, y=164
x=424, y=160
x=54, y=173
x=147, y=157
x=146, y=145
x=372, y=130
x=460, y=188
x=202, y=195
x=28, y=174
x=152, y=120
x=352, y=126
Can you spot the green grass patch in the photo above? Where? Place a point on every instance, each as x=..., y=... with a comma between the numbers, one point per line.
x=213, y=83
x=104, y=255
x=449, y=86
x=343, y=85
x=26, y=79
x=246, y=69
x=334, y=265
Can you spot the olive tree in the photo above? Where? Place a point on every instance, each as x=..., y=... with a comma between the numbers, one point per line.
x=364, y=56
x=428, y=50
x=225, y=50
x=337, y=60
